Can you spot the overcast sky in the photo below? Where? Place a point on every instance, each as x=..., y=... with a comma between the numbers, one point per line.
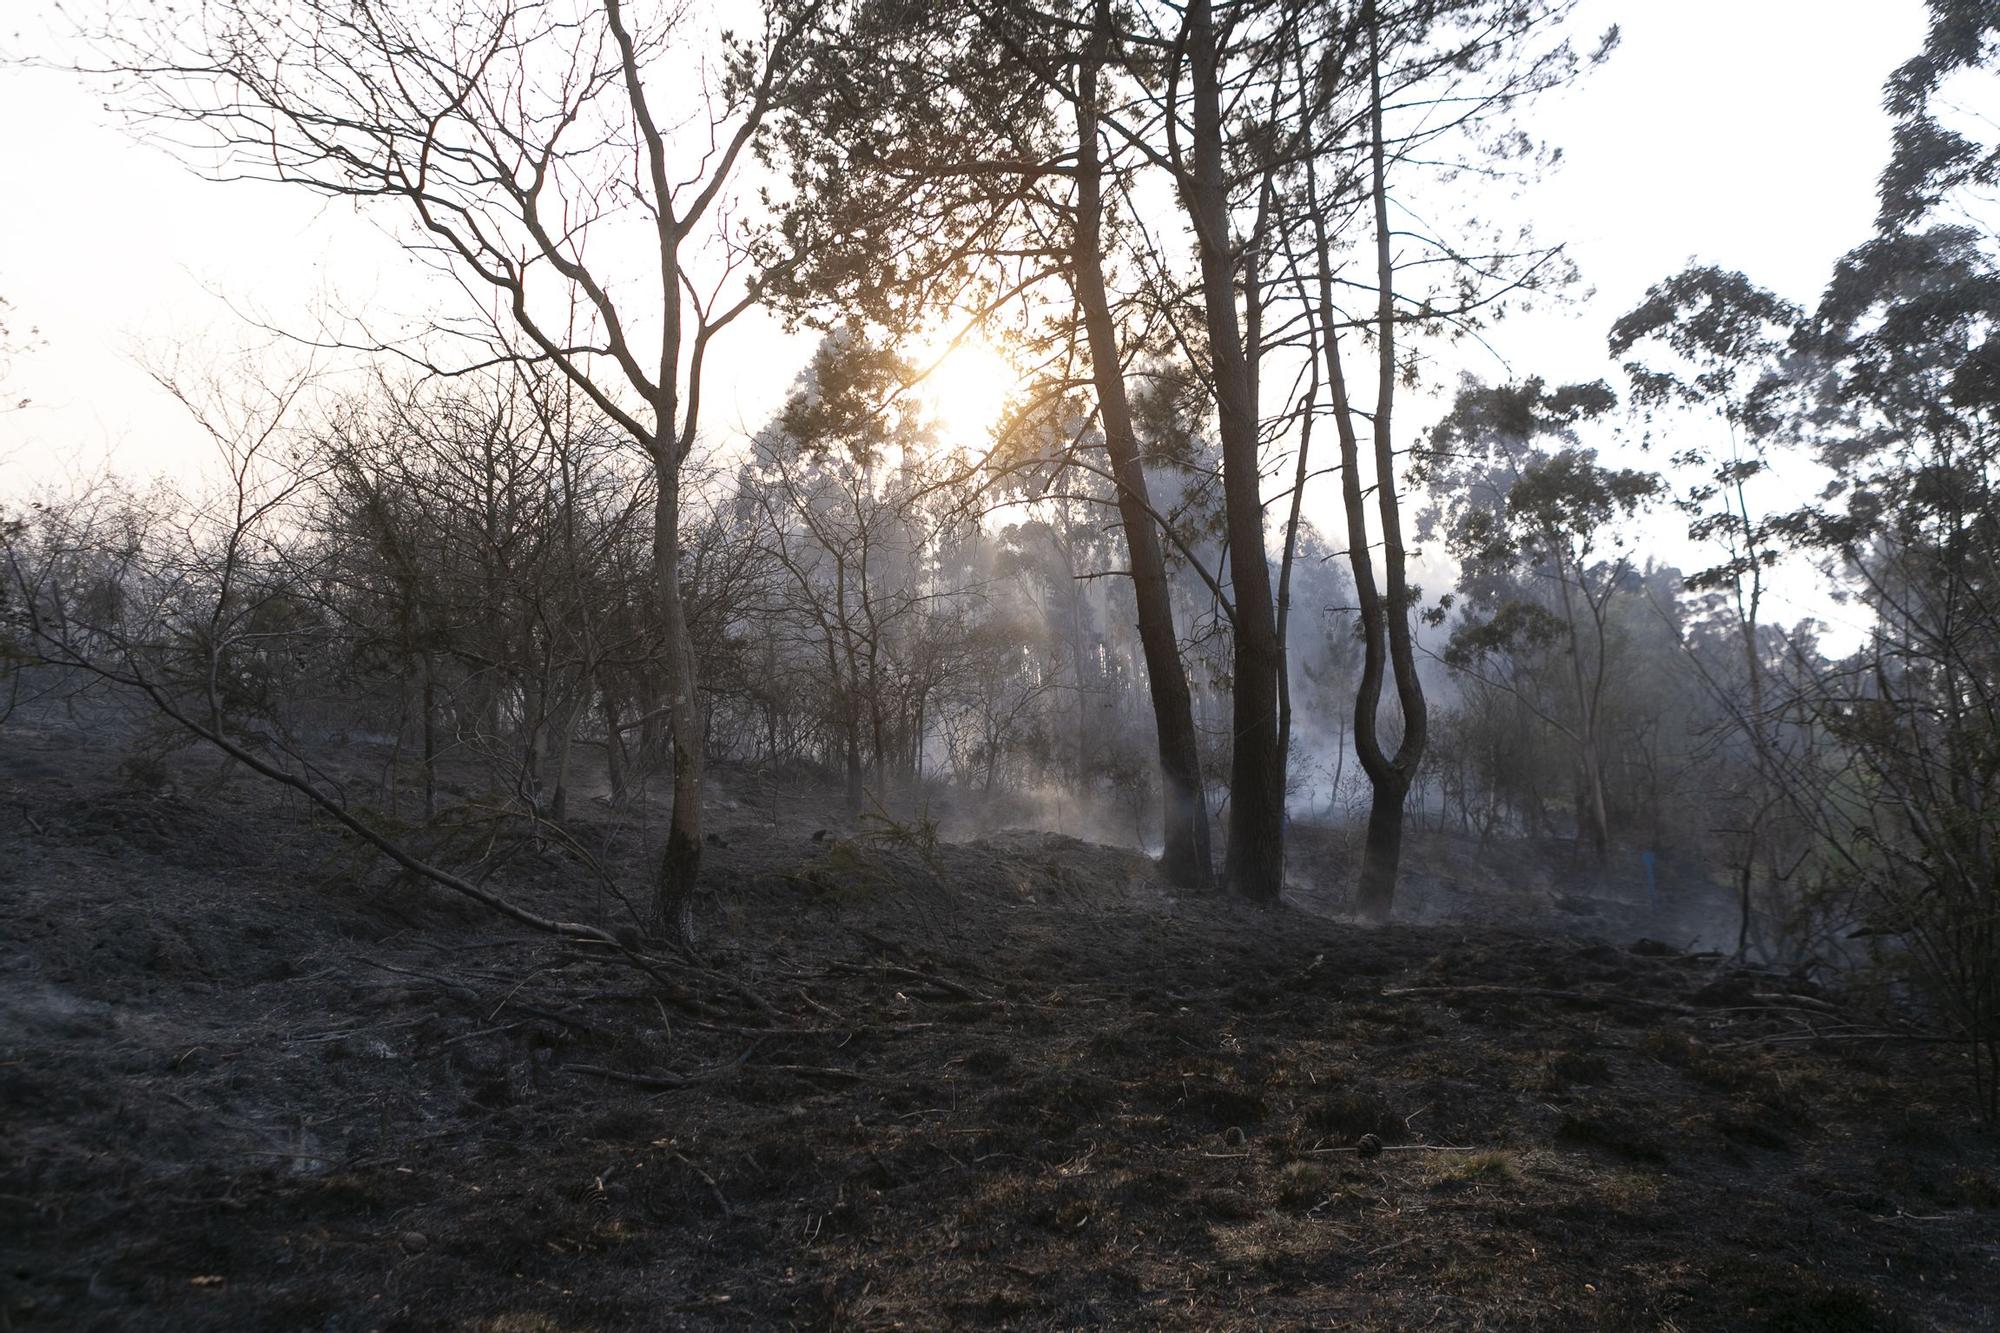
x=1741, y=132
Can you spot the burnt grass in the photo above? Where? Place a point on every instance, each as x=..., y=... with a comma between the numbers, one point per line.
x=251, y=1079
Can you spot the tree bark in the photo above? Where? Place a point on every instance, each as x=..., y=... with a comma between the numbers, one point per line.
x=429, y=725
x=1254, y=865
x=571, y=717
x=1378, y=885
x=680, y=862
x=1187, y=855
x=1382, y=851
x=614, y=747
x=1186, y=858
x=1589, y=754
x=1387, y=645
x=851, y=730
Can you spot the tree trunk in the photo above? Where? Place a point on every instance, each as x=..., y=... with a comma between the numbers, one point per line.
x=878, y=738
x=1743, y=896
x=1255, y=858
x=1379, y=885
x=653, y=745
x=1299, y=477
x=533, y=741
x=391, y=767
x=851, y=731
x=1387, y=645
x=565, y=742
x=1596, y=811
x=680, y=863
x=1589, y=754
x=614, y=748
x=429, y=724
x=1382, y=852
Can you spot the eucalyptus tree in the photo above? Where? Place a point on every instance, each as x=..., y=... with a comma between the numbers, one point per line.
x=1888, y=382
x=1715, y=341
x=522, y=144
x=1541, y=536
x=1940, y=159
x=1905, y=408
x=1901, y=401
x=854, y=504
x=1706, y=351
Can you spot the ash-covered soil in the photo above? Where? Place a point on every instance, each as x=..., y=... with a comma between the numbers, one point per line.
x=253, y=1080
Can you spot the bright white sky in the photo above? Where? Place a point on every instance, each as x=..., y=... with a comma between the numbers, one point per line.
x=1741, y=132
x=1744, y=133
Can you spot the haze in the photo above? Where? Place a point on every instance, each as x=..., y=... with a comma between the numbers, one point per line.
x=1045, y=664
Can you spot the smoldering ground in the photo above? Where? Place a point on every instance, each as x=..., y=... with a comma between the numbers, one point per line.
x=256, y=1080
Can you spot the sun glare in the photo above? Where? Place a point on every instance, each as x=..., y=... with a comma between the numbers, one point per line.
x=967, y=392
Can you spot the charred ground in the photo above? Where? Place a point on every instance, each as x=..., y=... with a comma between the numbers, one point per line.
x=253, y=1080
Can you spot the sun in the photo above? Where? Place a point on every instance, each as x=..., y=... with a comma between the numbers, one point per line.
x=967, y=391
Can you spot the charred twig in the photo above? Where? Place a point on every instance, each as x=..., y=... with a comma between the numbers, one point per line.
x=664, y=1082
x=708, y=1180
x=481, y=1032
x=826, y=1071
x=686, y=968
x=1800, y=1038
x=451, y=984
x=564, y=1017
x=1547, y=993
x=835, y=1015
x=1395, y=1147
x=931, y=979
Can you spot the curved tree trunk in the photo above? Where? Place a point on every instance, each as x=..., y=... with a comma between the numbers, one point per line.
x=1382, y=851
x=1387, y=644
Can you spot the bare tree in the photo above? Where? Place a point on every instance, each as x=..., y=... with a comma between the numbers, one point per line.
x=11, y=345
x=523, y=143
x=479, y=535
x=207, y=605
x=1384, y=94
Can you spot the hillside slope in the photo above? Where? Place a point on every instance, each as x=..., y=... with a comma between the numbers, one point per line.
x=252, y=1080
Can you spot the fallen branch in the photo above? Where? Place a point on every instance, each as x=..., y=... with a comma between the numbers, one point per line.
x=672, y=1082
x=945, y=984
x=450, y=984
x=577, y=931
x=825, y=1071
x=1395, y=1147
x=1798, y=1038
x=1546, y=993
x=665, y=1082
